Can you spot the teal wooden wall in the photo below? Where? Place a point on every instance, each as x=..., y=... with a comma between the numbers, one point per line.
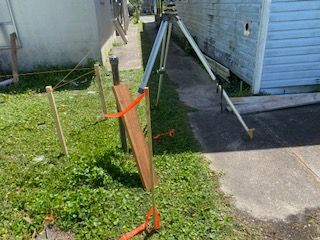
x=292, y=55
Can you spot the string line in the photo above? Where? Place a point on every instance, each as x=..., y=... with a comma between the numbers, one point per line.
x=70, y=81
x=45, y=72
x=73, y=69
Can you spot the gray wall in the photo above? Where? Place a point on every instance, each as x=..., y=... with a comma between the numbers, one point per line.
x=104, y=16
x=58, y=32
x=219, y=26
x=292, y=55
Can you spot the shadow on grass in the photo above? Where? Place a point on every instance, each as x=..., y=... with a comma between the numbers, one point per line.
x=107, y=171
x=118, y=173
x=170, y=113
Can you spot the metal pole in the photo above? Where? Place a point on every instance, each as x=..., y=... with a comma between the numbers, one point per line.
x=114, y=62
x=196, y=48
x=163, y=48
x=153, y=55
x=164, y=63
x=148, y=115
x=207, y=67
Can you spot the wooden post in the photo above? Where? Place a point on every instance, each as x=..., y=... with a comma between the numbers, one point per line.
x=126, y=19
x=55, y=115
x=120, y=30
x=148, y=116
x=241, y=86
x=100, y=86
x=149, y=127
x=14, y=60
x=114, y=62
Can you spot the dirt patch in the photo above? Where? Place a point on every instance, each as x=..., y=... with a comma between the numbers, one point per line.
x=53, y=233
x=305, y=226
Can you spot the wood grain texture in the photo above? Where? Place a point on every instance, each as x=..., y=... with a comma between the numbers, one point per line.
x=137, y=141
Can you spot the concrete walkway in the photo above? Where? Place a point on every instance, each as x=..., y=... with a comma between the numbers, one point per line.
x=129, y=54
x=275, y=175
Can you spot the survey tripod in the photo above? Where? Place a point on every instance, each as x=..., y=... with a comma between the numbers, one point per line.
x=170, y=16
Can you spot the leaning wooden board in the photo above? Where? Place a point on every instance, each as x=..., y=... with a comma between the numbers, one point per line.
x=135, y=134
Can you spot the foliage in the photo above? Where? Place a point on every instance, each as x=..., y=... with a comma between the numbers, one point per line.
x=135, y=6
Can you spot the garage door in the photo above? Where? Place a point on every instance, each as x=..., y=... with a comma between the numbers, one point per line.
x=7, y=25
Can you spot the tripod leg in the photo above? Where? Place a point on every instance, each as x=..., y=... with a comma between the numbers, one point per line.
x=196, y=48
x=153, y=55
x=164, y=61
x=207, y=67
x=163, y=48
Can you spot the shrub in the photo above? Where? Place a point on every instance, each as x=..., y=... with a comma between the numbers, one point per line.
x=135, y=6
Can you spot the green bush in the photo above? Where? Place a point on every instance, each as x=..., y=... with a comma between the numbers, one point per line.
x=135, y=5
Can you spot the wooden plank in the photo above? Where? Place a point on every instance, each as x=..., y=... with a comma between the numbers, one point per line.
x=120, y=30
x=274, y=102
x=272, y=98
x=218, y=68
x=135, y=134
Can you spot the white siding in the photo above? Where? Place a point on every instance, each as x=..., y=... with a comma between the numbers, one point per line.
x=292, y=55
x=58, y=32
x=219, y=29
x=104, y=15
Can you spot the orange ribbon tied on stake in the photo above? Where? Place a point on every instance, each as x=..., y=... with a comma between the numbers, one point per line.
x=130, y=106
x=144, y=226
x=170, y=133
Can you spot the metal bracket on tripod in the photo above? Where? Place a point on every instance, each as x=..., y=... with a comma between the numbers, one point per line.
x=163, y=38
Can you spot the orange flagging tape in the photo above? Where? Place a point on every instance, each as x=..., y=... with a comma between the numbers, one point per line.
x=131, y=105
x=170, y=133
x=144, y=226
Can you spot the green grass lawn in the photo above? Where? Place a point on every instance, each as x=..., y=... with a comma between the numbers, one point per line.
x=96, y=193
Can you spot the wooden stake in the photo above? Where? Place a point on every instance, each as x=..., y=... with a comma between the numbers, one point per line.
x=120, y=30
x=250, y=132
x=114, y=62
x=148, y=115
x=14, y=60
x=56, y=118
x=100, y=86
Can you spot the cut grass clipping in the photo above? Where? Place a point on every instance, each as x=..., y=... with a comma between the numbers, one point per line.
x=97, y=193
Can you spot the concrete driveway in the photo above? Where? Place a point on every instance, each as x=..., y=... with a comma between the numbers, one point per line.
x=273, y=176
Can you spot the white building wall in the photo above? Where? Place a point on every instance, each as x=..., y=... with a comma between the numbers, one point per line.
x=104, y=16
x=219, y=28
x=57, y=32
